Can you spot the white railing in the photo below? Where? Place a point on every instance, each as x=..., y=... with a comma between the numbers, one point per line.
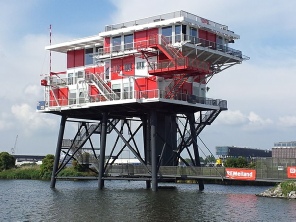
x=163, y=17
x=138, y=95
x=180, y=38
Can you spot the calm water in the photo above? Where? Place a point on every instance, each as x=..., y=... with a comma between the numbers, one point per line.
x=26, y=200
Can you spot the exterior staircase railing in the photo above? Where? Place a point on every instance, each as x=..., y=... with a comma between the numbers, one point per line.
x=103, y=88
x=175, y=85
x=205, y=119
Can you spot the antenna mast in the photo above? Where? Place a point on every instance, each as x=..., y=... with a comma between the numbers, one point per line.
x=50, y=50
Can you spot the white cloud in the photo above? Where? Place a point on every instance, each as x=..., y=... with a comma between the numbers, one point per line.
x=257, y=123
x=30, y=120
x=287, y=121
x=5, y=122
x=233, y=118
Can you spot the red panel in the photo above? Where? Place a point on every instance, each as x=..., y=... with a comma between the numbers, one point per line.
x=116, y=67
x=52, y=101
x=94, y=91
x=187, y=88
x=98, y=69
x=106, y=44
x=140, y=84
x=70, y=59
x=79, y=58
x=139, y=38
x=129, y=60
x=63, y=96
x=202, y=34
x=162, y=57
x=151, y=84
x=152, y=31
x=211, y=37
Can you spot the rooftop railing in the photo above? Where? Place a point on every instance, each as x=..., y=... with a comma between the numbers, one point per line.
x=163, y=17
x=185, y=39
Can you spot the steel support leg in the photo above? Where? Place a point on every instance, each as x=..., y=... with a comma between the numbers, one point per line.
x=190, y=117
x=58, y=151
x=146, y=143
x=102, y=150
x=153, y=151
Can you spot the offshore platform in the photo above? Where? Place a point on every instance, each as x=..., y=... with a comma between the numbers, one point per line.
x=139, y=86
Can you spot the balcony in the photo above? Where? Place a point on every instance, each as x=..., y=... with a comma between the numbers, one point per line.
x=138, y=96
x=187, y=42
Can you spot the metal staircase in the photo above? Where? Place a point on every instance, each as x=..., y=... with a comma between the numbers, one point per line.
x=205, y=119
x=82, y=136
x=175, y=85
x=102, y=86
x=162, y=43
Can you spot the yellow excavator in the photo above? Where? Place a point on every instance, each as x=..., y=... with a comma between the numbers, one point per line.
x=219, y=162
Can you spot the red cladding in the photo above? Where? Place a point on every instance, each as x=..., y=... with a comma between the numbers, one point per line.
x=107, y=44
x=126, y=65
x=70, y=59
x=98, y=70
x=61, y=95
x=75, y=58
x=202, y=34
x=186, y=88
x=141, y=37
x=144, y=84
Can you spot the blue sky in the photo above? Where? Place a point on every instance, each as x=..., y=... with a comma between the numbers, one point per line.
x=260, y=92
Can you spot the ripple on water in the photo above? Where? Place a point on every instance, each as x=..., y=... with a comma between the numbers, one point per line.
x=26, y=200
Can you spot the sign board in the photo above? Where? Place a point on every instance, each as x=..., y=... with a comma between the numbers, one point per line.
x=240, y=174
x=291, y=172
x=280, y=168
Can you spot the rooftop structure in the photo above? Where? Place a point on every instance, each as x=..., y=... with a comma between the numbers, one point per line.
x=151, y=73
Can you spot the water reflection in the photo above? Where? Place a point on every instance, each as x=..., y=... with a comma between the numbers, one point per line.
x=129, y=201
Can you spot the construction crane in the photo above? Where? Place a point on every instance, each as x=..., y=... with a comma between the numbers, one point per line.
x=13, y=148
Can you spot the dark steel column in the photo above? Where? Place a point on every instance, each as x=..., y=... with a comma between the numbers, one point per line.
x=146, y=142
x=58, y=151
x=153, y=151
x=102, y=150
x=190, y=117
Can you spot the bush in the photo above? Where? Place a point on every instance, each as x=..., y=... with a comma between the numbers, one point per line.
x=47, y=166
x=239, y=162
x=7, y=161
x=21, y=173
x=288, y=186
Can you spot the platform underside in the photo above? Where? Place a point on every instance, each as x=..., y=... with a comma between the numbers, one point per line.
x=131, y=108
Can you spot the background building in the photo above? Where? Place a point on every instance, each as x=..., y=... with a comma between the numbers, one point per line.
x=284, y=150
x=232, y=151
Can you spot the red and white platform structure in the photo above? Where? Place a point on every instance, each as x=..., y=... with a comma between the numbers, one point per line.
x=148, y=76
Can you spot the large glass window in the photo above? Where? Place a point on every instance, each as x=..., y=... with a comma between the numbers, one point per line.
x=99, y=50
x=193, y=35
x=167, y=32
x=178, y=33
x=88, y=59
x=116, y=43
x=128, y=42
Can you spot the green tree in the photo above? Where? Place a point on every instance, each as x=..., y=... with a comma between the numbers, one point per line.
x=210, y=159
x=239, y=162
x=47, y=166
x=7, y=161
